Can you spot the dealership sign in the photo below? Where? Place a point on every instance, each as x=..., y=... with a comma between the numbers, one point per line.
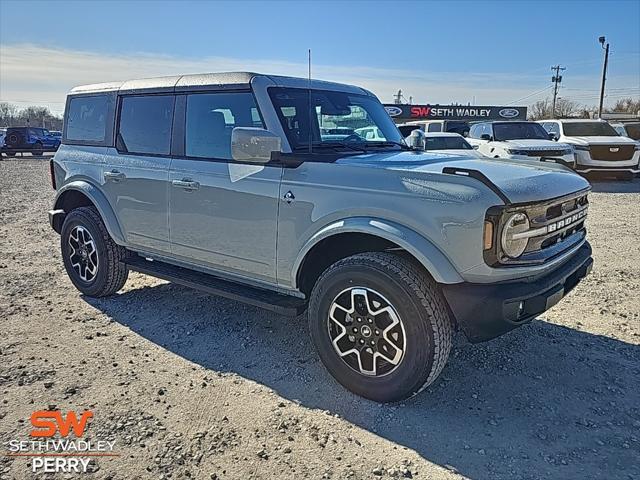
x=402, y=113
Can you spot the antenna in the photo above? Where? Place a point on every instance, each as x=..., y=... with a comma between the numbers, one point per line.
x=310, y=115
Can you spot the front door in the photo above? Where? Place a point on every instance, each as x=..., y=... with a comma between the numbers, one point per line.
x=136, y=172
x=222, y=214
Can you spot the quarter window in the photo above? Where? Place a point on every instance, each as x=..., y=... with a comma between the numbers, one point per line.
x=87, y=119
x=211, y=117
x=145, y=124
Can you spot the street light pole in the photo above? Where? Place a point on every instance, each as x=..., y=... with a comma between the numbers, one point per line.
x=604, y=73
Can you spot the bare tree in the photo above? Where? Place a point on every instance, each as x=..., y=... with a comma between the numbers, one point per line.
x=11, y=116
x=540, y=110
x=626, y=105
x=564, y=109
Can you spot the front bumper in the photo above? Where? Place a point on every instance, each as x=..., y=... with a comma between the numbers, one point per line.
x=486, y=311
x=585, y=164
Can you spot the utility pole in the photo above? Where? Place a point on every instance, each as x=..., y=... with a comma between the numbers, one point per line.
x=398, y=98
x=556, y=79
x=604, y=72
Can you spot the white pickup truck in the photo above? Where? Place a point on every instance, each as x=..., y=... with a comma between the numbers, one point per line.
x=518, y=140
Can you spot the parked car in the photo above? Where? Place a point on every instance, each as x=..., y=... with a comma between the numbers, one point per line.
x=335, y=133
x=598, y=147
x=451, y=143
x=29, y=139
x=370, y=133
x=519, y=140
x=630, y=129
x=454, y=126
x=387, y=249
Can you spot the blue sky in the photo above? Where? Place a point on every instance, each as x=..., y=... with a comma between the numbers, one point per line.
x=437, y=52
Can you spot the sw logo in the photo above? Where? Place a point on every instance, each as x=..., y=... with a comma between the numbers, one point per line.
x=420, y=111
x=49, y=422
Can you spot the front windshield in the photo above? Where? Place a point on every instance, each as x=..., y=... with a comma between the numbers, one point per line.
x=338, y=118
x=589, y=129
x=446, y=143
x=519, y=131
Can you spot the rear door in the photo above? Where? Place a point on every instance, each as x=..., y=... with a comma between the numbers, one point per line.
x=136, y=171
x=222, y=213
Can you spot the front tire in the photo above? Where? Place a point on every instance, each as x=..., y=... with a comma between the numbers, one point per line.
x=93, y=261
x=380, y=325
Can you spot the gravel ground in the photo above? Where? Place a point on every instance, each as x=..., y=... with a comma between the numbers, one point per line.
x=193, y=386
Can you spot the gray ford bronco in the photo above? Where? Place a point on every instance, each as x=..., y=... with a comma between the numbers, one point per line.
x=230, y=183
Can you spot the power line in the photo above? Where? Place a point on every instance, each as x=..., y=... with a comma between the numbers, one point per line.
x=532, y=94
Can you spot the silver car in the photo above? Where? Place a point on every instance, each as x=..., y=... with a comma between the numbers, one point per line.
x=227, y=183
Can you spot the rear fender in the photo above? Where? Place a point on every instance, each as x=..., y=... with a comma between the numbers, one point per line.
x=101, y=203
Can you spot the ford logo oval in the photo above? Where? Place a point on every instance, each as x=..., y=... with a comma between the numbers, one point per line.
x=393, y=111
x=508, y=113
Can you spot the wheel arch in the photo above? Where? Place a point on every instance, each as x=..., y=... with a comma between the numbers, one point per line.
x=81, y=193
x=347, y=237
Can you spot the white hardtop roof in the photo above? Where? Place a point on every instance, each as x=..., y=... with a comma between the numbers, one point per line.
x=210, y=80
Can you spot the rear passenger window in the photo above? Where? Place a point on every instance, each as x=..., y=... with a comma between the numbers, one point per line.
x=87, y=118
x=435, y=127
x=210, y=119
x=145, y=124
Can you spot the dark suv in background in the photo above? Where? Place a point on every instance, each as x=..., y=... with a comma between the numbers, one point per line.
x=29, y=139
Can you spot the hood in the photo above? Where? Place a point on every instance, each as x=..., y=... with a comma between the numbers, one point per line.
x=603, y=140
x=459, y=153
x=522, y=181
x=534, y=144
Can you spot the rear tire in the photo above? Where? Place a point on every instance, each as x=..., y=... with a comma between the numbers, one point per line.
x=39, y=151
x=93, y=261
x=385, y=288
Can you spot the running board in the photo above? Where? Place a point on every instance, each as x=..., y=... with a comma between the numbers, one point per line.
x=258, y=297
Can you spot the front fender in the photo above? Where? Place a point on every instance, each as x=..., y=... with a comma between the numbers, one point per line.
x=430, y=256
x=101, y=203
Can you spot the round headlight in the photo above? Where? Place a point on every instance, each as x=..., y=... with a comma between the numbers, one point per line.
x=516, y=223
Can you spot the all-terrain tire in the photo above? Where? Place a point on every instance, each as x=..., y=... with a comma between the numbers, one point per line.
x=423, y=312
x=112, y=273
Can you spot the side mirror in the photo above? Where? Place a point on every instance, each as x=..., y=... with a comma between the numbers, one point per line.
x=486, y=136
x=254, y=144
x=553, y=136
x=417, y=139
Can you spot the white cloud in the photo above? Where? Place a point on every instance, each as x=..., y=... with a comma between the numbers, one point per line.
x=31, y=74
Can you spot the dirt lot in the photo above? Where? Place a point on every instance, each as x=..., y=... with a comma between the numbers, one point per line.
x=193, y=386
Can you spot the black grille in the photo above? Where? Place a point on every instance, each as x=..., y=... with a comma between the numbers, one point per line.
x=546, y=153
x=612, y=152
